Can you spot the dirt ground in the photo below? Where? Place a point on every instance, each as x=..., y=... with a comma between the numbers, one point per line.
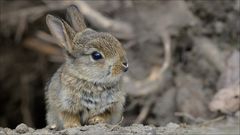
x=181, y=54
x=138, y=129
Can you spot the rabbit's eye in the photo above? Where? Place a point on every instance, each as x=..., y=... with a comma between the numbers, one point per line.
x=96, y=55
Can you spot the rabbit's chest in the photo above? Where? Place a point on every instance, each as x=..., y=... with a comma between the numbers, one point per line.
x=97, y=102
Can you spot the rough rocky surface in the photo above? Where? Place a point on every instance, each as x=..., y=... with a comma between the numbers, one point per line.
x=136, y=129
x=205, y=46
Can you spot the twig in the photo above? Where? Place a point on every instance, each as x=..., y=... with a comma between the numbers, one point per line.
x=128, y=3
x=116, y=125
x=237, y=5
x=132, y=105
x=45, y=48
x=23, y=12
x=41, y=46
x=145, y=110
x=213, y=121
x=209, y=50
x=130, y=44
x=25, y=16
x=202, y=122
x=156, y=78
x=120, y=29
x=189, y=116
x=167, y=50
x=20, y=29
x=25, y=100
x=31, y=13
x=46, y=37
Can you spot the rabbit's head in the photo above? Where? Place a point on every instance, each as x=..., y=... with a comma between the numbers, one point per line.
x=93, y=56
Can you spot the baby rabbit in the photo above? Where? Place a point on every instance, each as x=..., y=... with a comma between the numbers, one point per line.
x=85, y=89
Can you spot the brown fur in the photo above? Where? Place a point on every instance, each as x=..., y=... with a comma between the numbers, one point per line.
x=83, y=90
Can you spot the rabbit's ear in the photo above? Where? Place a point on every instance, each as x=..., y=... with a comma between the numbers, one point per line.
x=62, y=31
x=75, y=18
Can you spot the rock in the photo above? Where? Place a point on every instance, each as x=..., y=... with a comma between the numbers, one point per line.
x=2, y=133
x=165, y=107
x=30, y=129
x=190, y=96
x=237, y=114
x=226, y=100
x=219, y=27
x=8, y=131
x=141, y=129
x=231, y=74
x=237, y=5
x=22, y=128
x=209, y=50
x=172, y=126
x=135, y=129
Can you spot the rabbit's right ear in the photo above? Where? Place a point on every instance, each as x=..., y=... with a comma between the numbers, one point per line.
x=62, y=31
x=75, y=18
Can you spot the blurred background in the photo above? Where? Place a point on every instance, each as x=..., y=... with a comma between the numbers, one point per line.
x=183, y=57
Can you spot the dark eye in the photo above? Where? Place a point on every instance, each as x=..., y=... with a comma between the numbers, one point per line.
x=96, y=55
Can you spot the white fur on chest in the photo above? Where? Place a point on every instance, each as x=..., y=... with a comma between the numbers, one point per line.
x=94, y=100
x=100, y=101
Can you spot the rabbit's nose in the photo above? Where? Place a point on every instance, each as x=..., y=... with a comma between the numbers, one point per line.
x=125, y=66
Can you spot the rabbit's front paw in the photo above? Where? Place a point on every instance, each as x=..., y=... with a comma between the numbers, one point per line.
x=96, y=119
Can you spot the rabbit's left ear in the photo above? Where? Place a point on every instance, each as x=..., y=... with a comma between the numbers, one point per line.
x=75, y=18
x=61, y=31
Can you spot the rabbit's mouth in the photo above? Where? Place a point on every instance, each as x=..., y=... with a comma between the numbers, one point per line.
x=114, y=71
x=110, y=77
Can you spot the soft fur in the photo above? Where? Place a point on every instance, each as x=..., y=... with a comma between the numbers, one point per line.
x=85, y=91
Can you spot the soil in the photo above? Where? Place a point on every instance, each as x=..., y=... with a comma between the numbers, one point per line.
x=204, y=35
x=135, y=129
